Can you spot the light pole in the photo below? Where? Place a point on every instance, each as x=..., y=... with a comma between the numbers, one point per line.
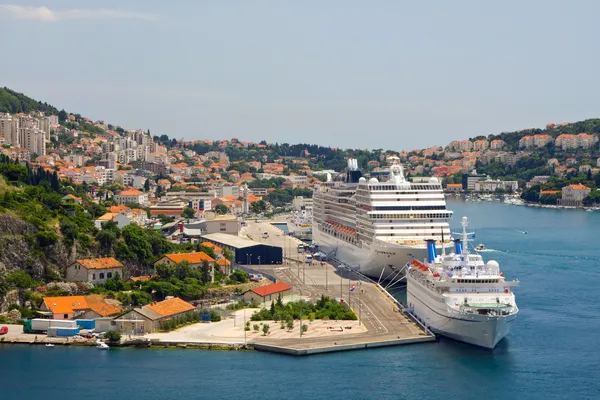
x=359, y=305
x=341, y=282
x=325, y=275
x=300, y=301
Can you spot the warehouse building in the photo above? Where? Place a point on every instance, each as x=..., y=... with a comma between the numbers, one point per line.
x=245, y=251
x=267, y=293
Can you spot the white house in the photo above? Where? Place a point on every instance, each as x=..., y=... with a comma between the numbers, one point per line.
x=131, y=196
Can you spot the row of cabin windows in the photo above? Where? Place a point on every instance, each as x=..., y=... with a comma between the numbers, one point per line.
x=407, y=208
x=101, y=275
x=393, y=187
x=408, y=216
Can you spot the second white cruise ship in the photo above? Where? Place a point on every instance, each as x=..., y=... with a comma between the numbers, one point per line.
x=378, y=225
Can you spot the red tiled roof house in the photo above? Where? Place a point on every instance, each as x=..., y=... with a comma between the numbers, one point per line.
x=195, y=259
x=269, y=292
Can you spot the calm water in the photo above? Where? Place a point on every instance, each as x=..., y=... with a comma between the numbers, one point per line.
x=552, y=353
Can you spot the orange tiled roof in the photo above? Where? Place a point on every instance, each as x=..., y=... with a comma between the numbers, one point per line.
x=212, y=246
x=65, y=304
x=97, y=303
x=578, y=186
x=271, y=289
x=100, y=263
x=192, y=258
x=142, y=278
x=171, y=307
x=223, y=261
x=130, y=192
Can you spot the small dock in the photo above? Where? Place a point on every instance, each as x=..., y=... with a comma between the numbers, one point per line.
x=385, y=320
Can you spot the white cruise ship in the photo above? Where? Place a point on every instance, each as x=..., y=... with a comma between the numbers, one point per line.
x=459, y=296
x=378, y=225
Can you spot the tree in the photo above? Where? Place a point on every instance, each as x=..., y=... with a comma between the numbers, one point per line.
x=265, y=329
x=221, y=209
x=147, y=185
x=247, y=327
x=258, y=207
x=256, y=327
x=20, y=279
x=272, y=309
x=304, y=328
x=112, y=336
x=188, y=213
x=289, y=324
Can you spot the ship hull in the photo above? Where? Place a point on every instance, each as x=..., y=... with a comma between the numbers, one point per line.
x=479, y=330
x=378, y=260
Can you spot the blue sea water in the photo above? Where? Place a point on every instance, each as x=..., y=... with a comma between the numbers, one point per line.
x=553, y=351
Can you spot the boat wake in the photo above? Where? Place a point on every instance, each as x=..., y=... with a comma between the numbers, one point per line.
x=489, y=251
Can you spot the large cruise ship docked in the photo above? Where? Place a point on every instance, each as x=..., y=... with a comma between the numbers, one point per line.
x=378, y=225
x=459, y=296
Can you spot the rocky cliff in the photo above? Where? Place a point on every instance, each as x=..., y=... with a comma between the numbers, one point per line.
x=19, y=251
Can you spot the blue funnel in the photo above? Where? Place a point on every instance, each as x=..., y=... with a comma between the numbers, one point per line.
x=431, y=251
x=458, y=246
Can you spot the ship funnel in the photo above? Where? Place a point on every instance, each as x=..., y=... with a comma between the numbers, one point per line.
x=431, y=251
x=458, y=246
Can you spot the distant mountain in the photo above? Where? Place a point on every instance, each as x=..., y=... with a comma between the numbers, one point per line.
x=13, y=102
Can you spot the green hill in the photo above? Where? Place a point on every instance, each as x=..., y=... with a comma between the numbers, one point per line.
x=591, y=126
x=13, y=102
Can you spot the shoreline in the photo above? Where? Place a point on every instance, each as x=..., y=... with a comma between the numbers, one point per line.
x=130, y=343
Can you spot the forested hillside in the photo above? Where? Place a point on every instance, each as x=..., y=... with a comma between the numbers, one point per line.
x=13, y=102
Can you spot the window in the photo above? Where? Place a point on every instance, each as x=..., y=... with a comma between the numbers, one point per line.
x=66, y=316
x=101, y=275
x=109, y=275
x=93, y=276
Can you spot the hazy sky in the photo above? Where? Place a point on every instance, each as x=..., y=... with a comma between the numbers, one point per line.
x=369, y=74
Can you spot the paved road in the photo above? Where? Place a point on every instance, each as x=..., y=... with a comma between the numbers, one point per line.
x=377, y=312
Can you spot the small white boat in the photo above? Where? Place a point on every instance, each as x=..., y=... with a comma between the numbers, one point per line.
x=101, y=345
x=49, y=345
x=480, y=247
x=589, y=210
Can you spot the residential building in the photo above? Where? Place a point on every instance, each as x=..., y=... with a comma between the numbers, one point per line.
x=480, y=145
x=468, y=181
x=224, y=265
x=268, y=293
x=94, y=270
x=79, y=307
x=131, y=196
x=493, y=185
x=195, y=260
x=227, y=191
x=223, y=224
x=574, y=194
x=537, y=179
x=302, y=203
x=497, y=144
x=454, y=187
x=147, y=319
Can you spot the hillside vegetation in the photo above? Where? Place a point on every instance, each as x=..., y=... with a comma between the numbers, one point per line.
x=13, y=102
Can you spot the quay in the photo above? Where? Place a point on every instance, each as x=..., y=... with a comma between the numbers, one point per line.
x=385, y=321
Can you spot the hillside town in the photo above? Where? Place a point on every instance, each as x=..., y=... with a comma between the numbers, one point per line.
x=158, y=227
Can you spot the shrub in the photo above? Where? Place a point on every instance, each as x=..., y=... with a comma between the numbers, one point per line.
x=113, y=336
x=256, y=327
x=265, y=329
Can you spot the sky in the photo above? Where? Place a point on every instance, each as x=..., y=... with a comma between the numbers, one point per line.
x=393, y=74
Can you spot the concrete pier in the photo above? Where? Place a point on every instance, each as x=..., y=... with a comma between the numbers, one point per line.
x=386, y=322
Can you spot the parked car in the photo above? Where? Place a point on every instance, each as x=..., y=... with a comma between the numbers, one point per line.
x=4, y=330
x=256, y=278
